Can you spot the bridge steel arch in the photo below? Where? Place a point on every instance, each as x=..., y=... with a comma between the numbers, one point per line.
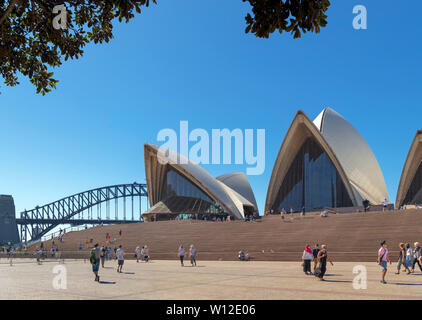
x=37, y=222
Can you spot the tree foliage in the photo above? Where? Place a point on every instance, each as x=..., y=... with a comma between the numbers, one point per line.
x=293, y=16
x=31, y=46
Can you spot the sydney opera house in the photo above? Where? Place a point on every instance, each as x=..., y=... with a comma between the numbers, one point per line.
x=410, y=186
x=324, y=163
x=179, y=187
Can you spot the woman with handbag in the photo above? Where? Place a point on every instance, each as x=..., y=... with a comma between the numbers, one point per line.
x=307, y=257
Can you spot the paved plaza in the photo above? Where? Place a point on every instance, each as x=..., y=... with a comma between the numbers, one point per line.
x=25, y=279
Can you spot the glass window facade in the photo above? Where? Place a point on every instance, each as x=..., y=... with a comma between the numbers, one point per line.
x=414, y=194
x=186, y=197
x=312, y=182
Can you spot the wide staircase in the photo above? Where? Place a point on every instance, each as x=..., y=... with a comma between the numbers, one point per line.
x=349, y=237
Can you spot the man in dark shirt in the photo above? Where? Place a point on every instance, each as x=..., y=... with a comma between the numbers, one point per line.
x=315, y=252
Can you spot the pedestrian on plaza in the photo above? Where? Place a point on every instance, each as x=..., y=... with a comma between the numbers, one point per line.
x=137, y=254
x=102, y=256
x=322, y=259
x=385, y=205
x=192, y=254
x=120, y=259
x=146, y=256
x=181, y=254
x=402, y=259
x=307, y=257
x=383, y=258
x=315, y=252
x=409, y=256
x=416, y=256
x=95, y=261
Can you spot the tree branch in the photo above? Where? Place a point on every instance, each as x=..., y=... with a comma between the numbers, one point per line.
x=8, y=10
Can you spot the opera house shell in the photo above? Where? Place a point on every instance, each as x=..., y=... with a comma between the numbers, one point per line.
x=178, y=186
x=324, y=163
x=410, y=186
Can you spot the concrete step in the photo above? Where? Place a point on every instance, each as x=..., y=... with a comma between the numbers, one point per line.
x=350, y=237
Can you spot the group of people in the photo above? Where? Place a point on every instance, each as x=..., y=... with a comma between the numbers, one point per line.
x=142, y=253
x=192, y=255
x=204, y=217
x=241, y=256
x=106, y=253
x=319, y=257
x=98, y=254
x=409, y=257
x=283, y=212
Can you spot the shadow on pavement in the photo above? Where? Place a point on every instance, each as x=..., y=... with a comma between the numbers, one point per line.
x=406, y=284
x=346, y=281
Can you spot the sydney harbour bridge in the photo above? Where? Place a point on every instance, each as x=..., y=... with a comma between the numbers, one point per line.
x=105, y=205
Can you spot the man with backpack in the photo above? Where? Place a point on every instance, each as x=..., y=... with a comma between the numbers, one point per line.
x=95, y=261
x=383, y=258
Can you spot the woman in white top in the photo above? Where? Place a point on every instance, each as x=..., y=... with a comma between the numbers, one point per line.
x=307, y=257
x=409, y=256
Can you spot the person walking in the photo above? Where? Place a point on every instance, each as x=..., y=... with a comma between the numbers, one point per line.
x=416, y=256
x=120, y=259
x=95, y=261
x=181, y=254
x=307, y=257
x=322, y=259
x=192, y=255
x=383, y=258
x=145, y=255
x=283, y=213
x=137, y=254
x=409, y=256
x=315, y=252
x=102, y=256
x=402, y=259
x=385, y=205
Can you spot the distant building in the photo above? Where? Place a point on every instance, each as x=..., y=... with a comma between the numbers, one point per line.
x=324, y=163
x=8, y=227
x=180, y=188
x=410, y=186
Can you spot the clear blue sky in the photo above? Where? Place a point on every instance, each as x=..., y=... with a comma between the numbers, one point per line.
x=191, y=60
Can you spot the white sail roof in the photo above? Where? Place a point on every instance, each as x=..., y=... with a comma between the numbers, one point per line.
x=355, y=155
